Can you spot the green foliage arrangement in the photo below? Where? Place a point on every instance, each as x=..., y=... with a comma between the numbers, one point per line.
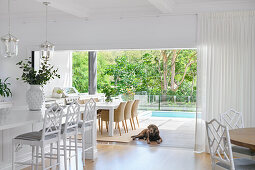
x=59, y=91
x=4, y=89
x=109, y=92
x=45, y=73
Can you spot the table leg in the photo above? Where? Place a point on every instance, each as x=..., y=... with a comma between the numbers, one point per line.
x=111, y=119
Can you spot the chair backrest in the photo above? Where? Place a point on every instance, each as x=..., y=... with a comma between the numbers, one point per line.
x=96, y=99
x=83, y=101
x=89, y=111
x=52, y=121
x=232, y=119
x=119, y=112
x=128, y=108
x=219, y=143
x=135, y=108
x=72, y=118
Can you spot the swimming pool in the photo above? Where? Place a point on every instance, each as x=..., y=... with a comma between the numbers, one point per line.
x=173, y=114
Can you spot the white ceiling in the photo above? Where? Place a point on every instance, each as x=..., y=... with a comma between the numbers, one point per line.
x=32, y=10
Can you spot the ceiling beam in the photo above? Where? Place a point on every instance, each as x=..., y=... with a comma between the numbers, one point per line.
x=165, y=6
x=67, y=6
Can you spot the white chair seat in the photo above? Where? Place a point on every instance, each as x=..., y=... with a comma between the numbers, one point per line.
x=34, y=136
x=240, y=164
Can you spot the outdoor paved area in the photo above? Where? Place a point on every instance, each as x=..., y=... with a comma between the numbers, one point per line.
x=175, y=132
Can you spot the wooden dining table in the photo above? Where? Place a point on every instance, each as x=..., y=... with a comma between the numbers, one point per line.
x=244, y=137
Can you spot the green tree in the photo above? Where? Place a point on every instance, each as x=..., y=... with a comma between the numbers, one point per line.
x=80, y=71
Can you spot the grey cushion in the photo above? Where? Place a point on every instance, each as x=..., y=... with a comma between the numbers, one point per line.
x=243, y=150
x=34, y=136
x=87, y=124
x=240, y=164
x=62, y=129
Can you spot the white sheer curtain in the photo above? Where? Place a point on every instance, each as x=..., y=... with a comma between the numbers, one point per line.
x=226, y=68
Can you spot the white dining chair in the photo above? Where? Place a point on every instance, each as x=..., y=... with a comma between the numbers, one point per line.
x=234, y=120
x=70, y=133
x=221, y=150
x=86, y=125
x=41, y=139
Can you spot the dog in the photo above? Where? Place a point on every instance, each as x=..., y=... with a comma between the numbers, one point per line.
x=149, y=134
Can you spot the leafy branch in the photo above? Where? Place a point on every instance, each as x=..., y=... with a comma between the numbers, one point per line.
x=4, y=89
x=45, y=73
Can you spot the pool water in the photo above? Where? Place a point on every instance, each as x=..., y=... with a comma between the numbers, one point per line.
x=173, y=114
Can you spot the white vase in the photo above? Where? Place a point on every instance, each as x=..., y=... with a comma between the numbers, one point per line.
x=35, y=97
x=1, y=99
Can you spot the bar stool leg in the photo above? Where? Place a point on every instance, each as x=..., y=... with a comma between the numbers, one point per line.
x=43, y=157
x=33, y=153
x=70, y=148
x=51, y=146
x=36, y=158
x=58, y=154
x=65, y=154
x=13, y=155
x=76, y=151
x=83, y=148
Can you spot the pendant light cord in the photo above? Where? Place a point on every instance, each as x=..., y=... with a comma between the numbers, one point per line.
x=9, y=13
x=46, y=21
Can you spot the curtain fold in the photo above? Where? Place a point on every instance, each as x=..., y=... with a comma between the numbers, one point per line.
x=226, y=68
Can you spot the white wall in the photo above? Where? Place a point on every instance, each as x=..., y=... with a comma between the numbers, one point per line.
x=63, y=61
x=132, y=33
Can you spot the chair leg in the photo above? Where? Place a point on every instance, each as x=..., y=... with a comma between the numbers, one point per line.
x=133, y=122
x=102, y=127
x=107, y=126
x=43, y=157
x=33, y=153
x=76, y=151
x=58, y=154
x=99, y=123
x=119, y=128
x=36, y=158
x=137, y=121
x=83, y=148
x=65, y=154
x=51, y=149
x=115, y=125
x=123, y=124
x=126, y=125
x=70, y=148
x=13, y=155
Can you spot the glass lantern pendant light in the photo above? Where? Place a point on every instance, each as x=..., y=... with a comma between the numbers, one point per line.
x=47, y=48
x=10, y=42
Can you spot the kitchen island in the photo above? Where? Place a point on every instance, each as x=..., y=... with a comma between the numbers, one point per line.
x=19, y=120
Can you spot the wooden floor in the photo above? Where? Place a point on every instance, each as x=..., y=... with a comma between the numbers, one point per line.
x=133, y=157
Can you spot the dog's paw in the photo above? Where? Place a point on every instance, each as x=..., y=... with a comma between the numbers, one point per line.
x=158, y=141
x=148, y=142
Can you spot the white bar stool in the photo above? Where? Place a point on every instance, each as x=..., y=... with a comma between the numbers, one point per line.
x=40, y=139
x=87, y=124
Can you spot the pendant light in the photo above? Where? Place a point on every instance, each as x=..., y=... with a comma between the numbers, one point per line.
x=47, y=48
x=9, y=42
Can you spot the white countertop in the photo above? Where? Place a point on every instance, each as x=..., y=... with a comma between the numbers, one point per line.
x=14, y=117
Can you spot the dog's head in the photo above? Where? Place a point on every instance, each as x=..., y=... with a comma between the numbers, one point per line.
x=153, y=130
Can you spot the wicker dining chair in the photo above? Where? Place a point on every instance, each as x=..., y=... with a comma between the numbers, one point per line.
x=134, y=113
x=127, y=114
x=118, y=116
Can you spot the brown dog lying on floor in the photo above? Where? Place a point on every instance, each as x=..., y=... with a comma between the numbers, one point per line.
x=149, y=134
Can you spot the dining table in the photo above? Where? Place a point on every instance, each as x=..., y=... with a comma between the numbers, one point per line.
x=244, y=137
x=109, y=106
